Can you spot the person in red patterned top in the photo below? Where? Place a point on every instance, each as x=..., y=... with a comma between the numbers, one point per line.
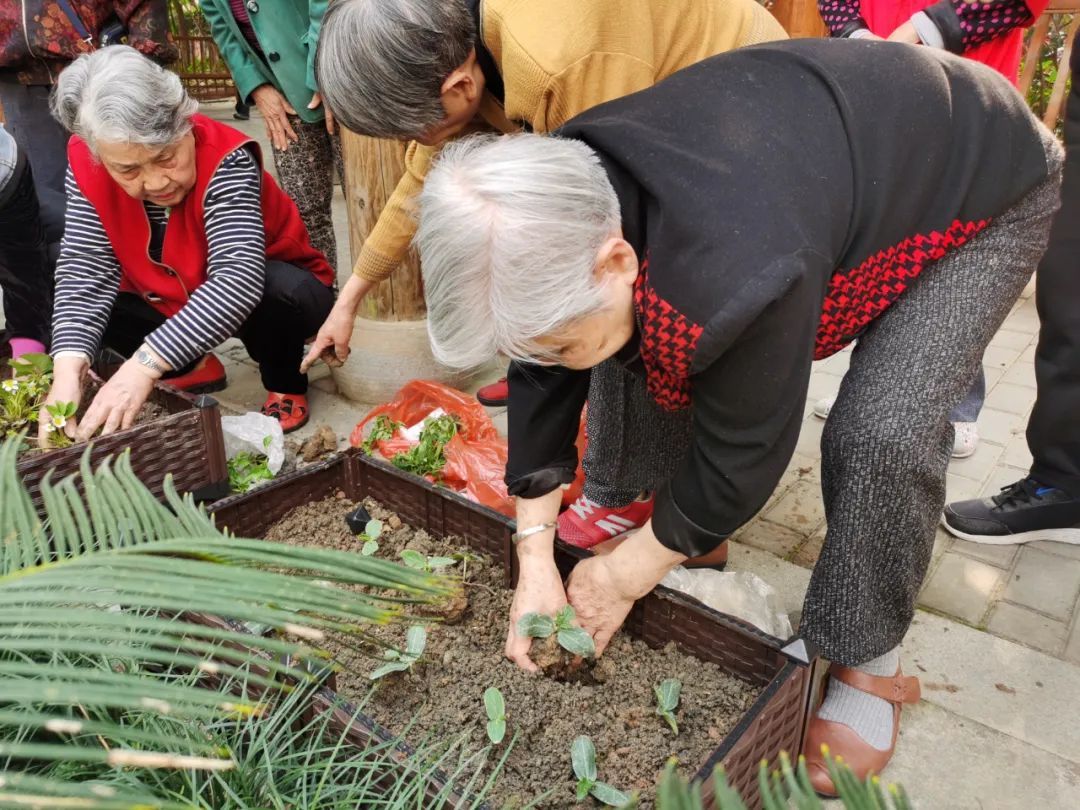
x=716, y=246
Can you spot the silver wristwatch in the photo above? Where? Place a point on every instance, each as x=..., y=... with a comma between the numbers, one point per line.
x=143, y=358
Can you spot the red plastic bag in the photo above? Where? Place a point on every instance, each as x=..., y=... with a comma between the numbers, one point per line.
x=475, y=457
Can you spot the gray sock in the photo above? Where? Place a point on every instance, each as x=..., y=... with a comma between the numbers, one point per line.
x=868, y=716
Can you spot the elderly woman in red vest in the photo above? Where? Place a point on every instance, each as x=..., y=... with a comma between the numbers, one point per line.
x=175, y=240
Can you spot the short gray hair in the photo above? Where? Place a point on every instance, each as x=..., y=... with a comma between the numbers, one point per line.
x=510, y=228
x=380, y=64
x=117, y=95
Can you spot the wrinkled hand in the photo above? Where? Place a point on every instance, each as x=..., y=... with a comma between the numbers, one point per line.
x=905, y=33
x=314, y=104
x=332, y=341
x=118, y=402
x=275, y=111
x=66, y=387
x=598, y=600
x=539, y=590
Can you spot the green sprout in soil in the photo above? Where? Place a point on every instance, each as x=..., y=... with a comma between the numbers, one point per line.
x=22, y=396
x=401, y=660
x=583, y=758
x=247, y=469
x=496, y=712
x=571, y=638
x=381, y=429
x=420, y=562
x=667, y=700
x=59, y=413
x=369, y=536
x=427, y=457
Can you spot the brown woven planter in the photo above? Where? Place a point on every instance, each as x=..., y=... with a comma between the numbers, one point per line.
x=777, y=720
x=187, y=443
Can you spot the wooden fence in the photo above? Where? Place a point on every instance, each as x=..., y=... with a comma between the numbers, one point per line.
x=201, y=68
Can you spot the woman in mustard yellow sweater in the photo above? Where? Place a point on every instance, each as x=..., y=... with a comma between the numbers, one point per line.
x=429, y=70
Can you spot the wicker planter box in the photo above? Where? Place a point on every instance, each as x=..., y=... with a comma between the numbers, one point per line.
x=777, y=720
x=187, y=443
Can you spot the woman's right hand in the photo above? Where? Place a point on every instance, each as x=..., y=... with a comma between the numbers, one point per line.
x=539, y=590
x=275, y=110
x=67, y=385
x=332, y=341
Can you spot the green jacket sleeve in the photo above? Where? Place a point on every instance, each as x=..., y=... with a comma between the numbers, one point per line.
x=246, y=72
x=316, y=9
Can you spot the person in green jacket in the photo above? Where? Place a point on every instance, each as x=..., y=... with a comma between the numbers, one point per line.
x=270, y=51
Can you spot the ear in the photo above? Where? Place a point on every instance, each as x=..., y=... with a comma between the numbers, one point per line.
x=462, y=80
x=617, y=262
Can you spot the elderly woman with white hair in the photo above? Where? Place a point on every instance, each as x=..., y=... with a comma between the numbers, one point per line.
x=717, y=246
x=175, y=240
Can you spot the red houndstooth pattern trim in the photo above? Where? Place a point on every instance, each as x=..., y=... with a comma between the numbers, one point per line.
x=668, y=341
x=855, y=297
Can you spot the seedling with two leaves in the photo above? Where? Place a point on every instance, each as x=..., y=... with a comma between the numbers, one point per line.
x=667, y=701
x=571, y=638
x=583, y=758
x=401, y=660
x=370, y=536
x=421, y=562
x=495, y=707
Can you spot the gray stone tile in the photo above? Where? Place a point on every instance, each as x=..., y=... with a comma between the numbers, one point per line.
x=1044, y=582
x=1072, y=647
x=1027, y=627
x=1011, y=398
x=800, y=509
x=1028, y=355
x=809, y=443
x=1008, y=339
x=1000, y=357
x=1002, y=476
x=980, y=464
x=958, y=488
x=1017, y=453
x=997, y=556
x=992, y=376
x=1020, y=373
x=771, y=537
x=1024, y=319
x=1070, y=550
x=961, y=587
x=1000, y=427
x=806, y=555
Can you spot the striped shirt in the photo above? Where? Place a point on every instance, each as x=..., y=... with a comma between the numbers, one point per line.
x=88, y=272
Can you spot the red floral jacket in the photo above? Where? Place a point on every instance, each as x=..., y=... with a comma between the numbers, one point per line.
x=50, y=41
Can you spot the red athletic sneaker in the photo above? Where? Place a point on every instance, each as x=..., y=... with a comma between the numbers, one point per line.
x=289, y=409
x=586, y=523
x=207, y=376
x=494, y=395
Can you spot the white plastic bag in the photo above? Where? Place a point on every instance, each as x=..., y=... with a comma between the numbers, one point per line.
x=248, y=432
x=737, y=593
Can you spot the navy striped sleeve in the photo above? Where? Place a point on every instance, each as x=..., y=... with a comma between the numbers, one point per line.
x=236, y=266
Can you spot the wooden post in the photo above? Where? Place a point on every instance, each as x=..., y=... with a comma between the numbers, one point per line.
x=372, y=170
x=800, y=18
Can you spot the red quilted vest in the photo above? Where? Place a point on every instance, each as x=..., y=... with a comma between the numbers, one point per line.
x=168, y=285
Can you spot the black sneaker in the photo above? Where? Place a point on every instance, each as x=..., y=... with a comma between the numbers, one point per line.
x=1020, y=513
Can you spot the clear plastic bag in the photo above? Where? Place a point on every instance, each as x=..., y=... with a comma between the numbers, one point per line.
x=248, y=432
x=737, y=593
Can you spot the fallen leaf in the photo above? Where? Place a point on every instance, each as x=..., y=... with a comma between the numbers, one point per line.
x=1008, y=690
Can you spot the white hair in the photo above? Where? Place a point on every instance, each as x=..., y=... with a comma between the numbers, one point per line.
x=510, y=228
x=117, y=95
x=380, y=64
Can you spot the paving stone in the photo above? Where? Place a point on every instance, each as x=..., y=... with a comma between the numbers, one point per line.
x=980, y=464
x=961, y=587
x=1027, y=627
x=1002, y=476
x=809, y=443
x=770, y=537
x=1011, y=398
x=1072, y=648
x=800, y=509
x=943, y=542
x=1070, y=550
x=958, y=488
x=1017, y=453
x=992, y=376
x=1028, y=355
x=1021, y=373
x=1009, y=339
x=1000, y=357
x=1000, y=427
x=804, y=468
x=806, y=556
x=998, y=556
x=1044, y=582
x=1024, y=319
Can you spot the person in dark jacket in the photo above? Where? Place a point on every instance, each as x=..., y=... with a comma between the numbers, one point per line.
x=717, y=246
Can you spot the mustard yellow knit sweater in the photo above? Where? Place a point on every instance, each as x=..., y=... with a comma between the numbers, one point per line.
x=558, y=58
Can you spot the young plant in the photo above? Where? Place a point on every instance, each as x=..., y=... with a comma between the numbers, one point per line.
x=496, y=712
x=427, y=457
x=381, y=429
x=59, y=413
x=667, y=701
x=583, y=758
x=571, y=638
x=401, y=660
x=421, y=562
x=370, y=537
x=247, y=469
x=21, y=396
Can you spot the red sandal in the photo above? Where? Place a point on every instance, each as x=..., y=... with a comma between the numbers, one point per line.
x=289, y=409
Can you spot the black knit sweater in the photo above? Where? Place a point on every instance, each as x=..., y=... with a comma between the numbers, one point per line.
x=781, y=197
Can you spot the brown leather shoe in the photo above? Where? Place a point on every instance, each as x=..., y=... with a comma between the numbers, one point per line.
x=843, y=743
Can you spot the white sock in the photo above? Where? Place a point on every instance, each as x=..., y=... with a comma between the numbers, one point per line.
x=868, y=716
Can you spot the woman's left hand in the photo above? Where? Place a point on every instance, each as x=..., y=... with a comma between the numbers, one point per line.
x=603, y=589
x=118, y=402
x=905, y=33
x=316, y=101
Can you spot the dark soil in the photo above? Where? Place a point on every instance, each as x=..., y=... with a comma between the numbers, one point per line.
x=612, y=702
